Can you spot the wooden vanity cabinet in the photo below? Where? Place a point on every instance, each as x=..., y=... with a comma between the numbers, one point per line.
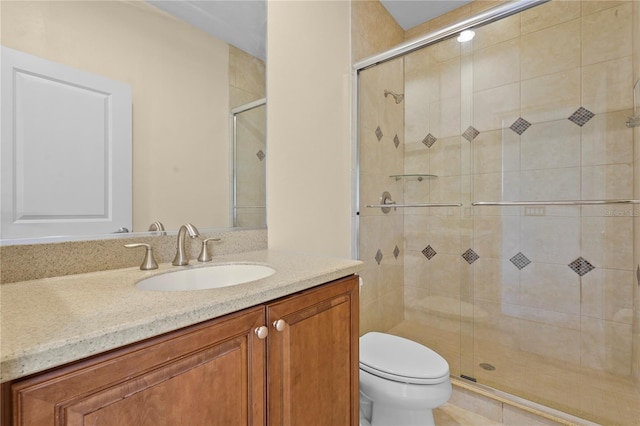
x=220, y=372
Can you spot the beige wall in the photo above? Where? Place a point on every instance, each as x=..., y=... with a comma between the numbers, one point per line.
x=373, y=29
x=309, y=89
x=179, y=79
x=636, y=162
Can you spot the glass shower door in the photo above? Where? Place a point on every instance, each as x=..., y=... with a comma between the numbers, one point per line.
x=249, y=165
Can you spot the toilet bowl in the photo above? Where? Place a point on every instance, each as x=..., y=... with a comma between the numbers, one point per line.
x=401, y=381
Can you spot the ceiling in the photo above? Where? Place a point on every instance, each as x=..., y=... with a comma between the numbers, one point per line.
x=243, y=23
x=409, y=13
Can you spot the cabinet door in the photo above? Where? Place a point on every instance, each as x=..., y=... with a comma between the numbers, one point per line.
x=208, y=374
x=313, y=360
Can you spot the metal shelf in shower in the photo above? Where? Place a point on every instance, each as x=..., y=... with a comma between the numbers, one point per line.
x=419, y=176
x=553, y=203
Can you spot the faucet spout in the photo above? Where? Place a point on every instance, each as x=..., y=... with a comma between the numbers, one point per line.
x=181, y=258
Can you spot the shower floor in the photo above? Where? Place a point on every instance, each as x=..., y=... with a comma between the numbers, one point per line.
x=593, y=395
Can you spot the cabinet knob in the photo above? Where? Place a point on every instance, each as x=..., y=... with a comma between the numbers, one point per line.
x=279, y=324
x=261, y=332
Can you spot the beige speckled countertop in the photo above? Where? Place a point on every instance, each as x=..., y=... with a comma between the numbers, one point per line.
x=50, y=322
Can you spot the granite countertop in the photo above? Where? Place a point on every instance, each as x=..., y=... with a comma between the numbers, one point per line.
x=49, y=322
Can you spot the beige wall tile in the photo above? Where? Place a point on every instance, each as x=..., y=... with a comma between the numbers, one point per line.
x=496, y=150
x=549, y=14
x=606, y=242
x=608, y=294
x=542, y=54
x=415, y=270
x=550, y=287
x=550, y=317
x=550, y=239
x=607, y=182
x=443, y=275
x=606, y=139
x=550, y=341
x=498, y=32
x=416, y=158
x=372, y=29
x=551, y=97
x=550, y=184
x=416, y=107
x=606, y=345
x=496, y=237
x=496, y=108
x=444, y=117
x=605, y=85
x=607, y=34
x=496, y=65
x=445, y=156
x=549, y=145
x=445, y=189
x=444, y=235
x=593, y=6
x=497, y=281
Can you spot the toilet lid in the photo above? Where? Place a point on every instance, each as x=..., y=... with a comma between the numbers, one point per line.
x=401, y=360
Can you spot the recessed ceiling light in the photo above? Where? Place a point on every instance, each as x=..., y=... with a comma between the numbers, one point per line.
x=466, y=35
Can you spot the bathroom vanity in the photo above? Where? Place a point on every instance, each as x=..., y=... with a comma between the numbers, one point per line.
x=288, y=357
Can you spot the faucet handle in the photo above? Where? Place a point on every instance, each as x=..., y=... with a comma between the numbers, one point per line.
x=149, y=263
x=205, y=256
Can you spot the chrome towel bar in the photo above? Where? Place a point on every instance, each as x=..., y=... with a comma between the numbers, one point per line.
x=393, y=204
x=553, y=203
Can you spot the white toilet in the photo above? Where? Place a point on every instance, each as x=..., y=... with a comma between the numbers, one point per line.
x=401, y=381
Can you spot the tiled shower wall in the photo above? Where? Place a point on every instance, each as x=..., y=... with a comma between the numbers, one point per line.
x=381, y=298
x=381, y=235
x=518, y=115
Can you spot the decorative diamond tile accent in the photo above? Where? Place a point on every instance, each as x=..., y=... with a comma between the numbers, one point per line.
x=396, y=252
x=429, y=252
x=379, y=133
x=379, y=256
x=429, y=140
x=581, y=266
x=520, y=125
x=260, y=155
x=470, y=134
x=581, y=116
x=520, y=260
x=396, y=140
x=470, y=256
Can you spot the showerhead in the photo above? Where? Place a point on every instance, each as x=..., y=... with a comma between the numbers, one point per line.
x=398, y=97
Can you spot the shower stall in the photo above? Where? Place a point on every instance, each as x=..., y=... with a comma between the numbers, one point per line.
x=498, y=196
x=249, y=151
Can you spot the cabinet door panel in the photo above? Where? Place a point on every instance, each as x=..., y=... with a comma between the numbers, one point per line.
x=313, y=361
x=210, y=374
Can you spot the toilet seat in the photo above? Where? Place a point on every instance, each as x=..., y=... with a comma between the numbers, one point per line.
x=401, y=360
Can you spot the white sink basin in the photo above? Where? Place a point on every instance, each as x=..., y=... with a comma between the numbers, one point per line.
x=214, y=276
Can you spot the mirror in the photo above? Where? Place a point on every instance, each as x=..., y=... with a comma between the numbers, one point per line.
x=184, y=83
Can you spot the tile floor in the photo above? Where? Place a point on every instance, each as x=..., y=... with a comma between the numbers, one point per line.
x=598, y=397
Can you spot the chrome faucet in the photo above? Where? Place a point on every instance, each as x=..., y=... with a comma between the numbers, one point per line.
x=181, y=258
